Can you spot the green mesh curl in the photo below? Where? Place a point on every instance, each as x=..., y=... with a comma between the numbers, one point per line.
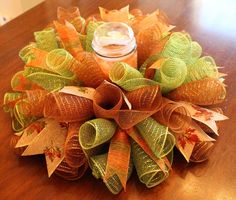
x=90, y=32
x=148, y=171
x=30, y=70
x=8, y=98
x=158, y=138
x=196, y=51
x=48, y=81
x=15, y=79
x=150, y=60
x=60, y=61
x=178, y=46
x=98, y=166
x=25, y=52
x=96, y=132
x=134, y=84
x=171, y=74
x=82, y=40
x=202, y=68
x=128, y=77
x=16, y=126
x=121, y=72
x=21, y=121
x=46, y=39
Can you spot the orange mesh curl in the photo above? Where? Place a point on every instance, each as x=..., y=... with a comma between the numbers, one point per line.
x=74, y=154
x=119, y=157
x=147, y=98
x=69, y=14
x=201, y=151
x=89, y=71
x=33, y=103
x=146, y=40
x=207, y=91
x=67, y=108
x=151, y=31
x=136, y=12
x=108, y=100
x=36, y=99
x=70, y=173
x=172, y=115
x=69, y=38
x=121, y=15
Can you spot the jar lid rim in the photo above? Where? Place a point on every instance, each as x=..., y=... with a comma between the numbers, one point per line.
x=121, y=49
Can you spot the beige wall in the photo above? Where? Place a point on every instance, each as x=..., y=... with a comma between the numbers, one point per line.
x=27, y=4
x=12, y=8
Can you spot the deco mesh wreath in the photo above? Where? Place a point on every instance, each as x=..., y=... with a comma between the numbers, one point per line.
x=63, y=106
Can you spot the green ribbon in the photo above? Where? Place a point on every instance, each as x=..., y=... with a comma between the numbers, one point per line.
x=196, y=51
x=25, y=54
x=15, y=81
x=98, y=166
x=46, y=39
x=50, y=82
x=30, y=70
x=90, y=33
x=202, y=68
x=21, y=121
x=148, y=171
x=83, y=40
x=128, y=77
x=60, y=61
x=158, y=138
x=8, y=98
x=147, y=62
x=180, y=45
x=171, y=74
x=96, y=132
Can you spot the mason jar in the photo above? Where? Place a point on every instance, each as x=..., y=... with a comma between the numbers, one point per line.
x=114, y=42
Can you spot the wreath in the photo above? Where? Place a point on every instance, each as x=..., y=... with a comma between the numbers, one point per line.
x=65, y=107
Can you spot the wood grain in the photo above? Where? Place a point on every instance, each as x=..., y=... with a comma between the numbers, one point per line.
x=212, y=23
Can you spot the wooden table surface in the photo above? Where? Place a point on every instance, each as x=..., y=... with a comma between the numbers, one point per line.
x=212, y=24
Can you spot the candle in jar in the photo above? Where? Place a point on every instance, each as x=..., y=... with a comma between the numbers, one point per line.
x=114, y=42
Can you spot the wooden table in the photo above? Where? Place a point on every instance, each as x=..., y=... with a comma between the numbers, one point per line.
x=212, y=24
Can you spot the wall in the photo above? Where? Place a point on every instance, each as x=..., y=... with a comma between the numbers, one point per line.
x=10, y=9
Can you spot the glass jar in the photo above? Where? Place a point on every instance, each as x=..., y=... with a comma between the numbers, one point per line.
x=114, y=42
